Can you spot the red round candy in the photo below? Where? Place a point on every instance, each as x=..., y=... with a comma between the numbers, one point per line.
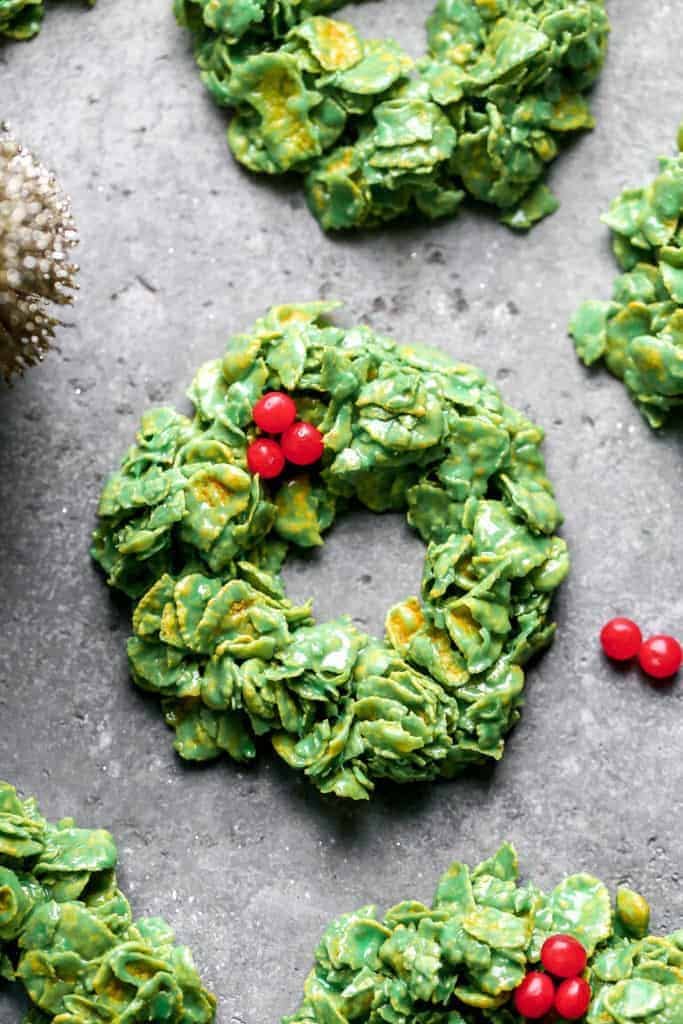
x=563, y=956
x=660, y=656
x=302, y=444
x=535, y=996
x=274, y=412
x=265, y=458
x=572, y=998
x=621, y=639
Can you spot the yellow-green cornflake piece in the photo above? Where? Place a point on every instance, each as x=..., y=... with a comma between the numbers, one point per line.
x=375, y=134
x=68, y=935
x=22, y=19
x=639, y=333
x=198, y=542
x=459, y=960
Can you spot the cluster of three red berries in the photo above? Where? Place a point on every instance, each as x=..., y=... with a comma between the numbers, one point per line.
x=659, y=656
x=300, y=443
x=563, y=957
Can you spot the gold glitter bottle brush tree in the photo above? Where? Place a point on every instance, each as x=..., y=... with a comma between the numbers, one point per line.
x=37, y=236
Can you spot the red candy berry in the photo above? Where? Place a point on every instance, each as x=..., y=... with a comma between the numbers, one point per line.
x=302, y=444
x=572, y=998
x=274, y=412
x=535, y=996
x=660, y=657
x=265, y=458
x=563, y=956
x=621, y=639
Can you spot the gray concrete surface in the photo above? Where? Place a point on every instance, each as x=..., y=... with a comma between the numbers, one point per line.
x=179, y=248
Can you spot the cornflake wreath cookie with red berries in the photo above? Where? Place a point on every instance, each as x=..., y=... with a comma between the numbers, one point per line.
x=196, y=524
x=494, y=951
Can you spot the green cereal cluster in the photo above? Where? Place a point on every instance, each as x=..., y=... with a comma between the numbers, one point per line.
x=67, y=934
x=639, y=333
x=376, y=134
x=198, y=542
x=458, y=961
x=22, y=19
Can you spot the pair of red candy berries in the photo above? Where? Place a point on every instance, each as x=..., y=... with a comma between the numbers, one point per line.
x=659, y=656
x=300, y=443
x=562, y=988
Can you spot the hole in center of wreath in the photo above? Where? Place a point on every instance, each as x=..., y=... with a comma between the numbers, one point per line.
x=369, y=563
x=406, y=26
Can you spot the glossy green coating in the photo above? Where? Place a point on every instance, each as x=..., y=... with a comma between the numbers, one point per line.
x=375, y=134
x=459, y=960
x=639, y=334
x=67, y=933
x=198, y=543
x=22, y=19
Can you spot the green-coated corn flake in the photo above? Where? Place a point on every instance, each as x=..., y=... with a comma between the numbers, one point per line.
x=459, y=960
x=375, y=134
x=198, y=543
x=22, y=19
x=639, y=334
x=67, y=933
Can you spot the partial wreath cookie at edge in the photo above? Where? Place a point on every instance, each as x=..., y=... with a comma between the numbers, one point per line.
x=463, y=959
x=198, y=541
x=68, y=936
x=66, y=933
x=23, y=19
x=639, y=333
x=376, y=134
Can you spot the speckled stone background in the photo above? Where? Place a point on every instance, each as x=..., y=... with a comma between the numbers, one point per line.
x=179, y=249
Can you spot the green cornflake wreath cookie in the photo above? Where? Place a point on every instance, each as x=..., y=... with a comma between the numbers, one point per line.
x=376, y=134
x=67, y=934
x=198, y=541
x=459, y=961
x=22, y=19
x=639, y=333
